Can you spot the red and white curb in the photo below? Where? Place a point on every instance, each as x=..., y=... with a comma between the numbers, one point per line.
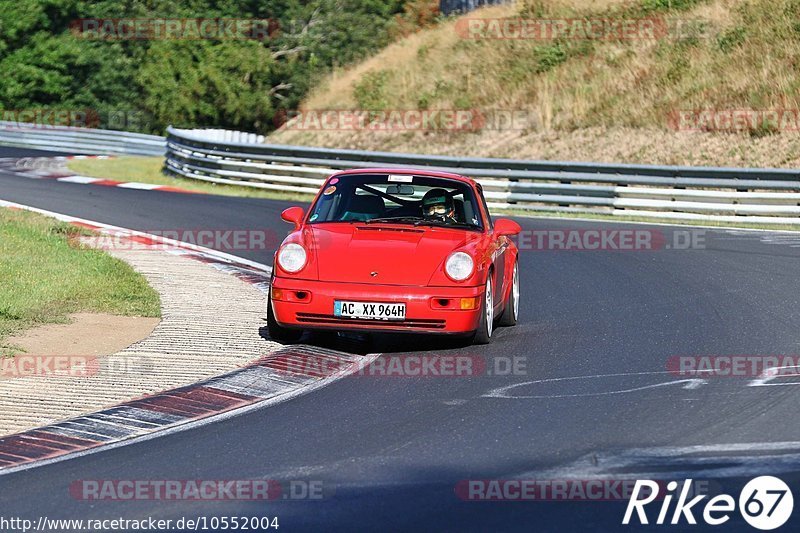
x=279, y=376
x=54, y=168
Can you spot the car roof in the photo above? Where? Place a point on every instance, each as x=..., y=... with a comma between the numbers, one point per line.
x=406, y=171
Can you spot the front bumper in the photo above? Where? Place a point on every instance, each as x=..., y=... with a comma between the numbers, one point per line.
x=309, y=305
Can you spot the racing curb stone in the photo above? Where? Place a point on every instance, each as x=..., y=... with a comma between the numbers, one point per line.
x=210, y=325
x=212, y=311
x=55, y=168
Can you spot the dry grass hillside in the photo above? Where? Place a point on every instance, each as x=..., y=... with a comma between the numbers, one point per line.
x=576, y=98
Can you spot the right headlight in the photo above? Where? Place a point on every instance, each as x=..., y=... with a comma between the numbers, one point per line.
x=459, y=266
x=292, y=257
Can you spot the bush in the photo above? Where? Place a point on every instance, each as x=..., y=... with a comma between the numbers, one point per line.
x=233, y=83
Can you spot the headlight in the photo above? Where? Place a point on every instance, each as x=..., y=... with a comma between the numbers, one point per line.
x=459, y=266
x=292, y=257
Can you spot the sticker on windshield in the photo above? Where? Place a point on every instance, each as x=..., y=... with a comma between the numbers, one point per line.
x=334, y=181
x=400, y=178
x=330, y=190
x=313, y=217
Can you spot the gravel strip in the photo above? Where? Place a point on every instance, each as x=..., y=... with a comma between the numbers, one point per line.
x=210, y=325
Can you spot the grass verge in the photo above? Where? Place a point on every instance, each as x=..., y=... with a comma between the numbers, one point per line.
x=148, y=170
x=44, y=277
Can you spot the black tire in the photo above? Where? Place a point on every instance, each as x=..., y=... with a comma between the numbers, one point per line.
x=509, y=316
x=279, y=333
x=483, y=335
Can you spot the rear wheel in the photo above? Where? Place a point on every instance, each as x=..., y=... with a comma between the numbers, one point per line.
x=279, y=333
x=484, y=333
x=511, y=312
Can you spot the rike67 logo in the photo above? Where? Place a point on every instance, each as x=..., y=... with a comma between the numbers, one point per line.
x=765, y=503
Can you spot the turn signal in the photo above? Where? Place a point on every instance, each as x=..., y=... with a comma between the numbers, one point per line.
x=469, y=303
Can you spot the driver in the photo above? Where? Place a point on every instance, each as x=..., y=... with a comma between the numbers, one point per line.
x=437, y=204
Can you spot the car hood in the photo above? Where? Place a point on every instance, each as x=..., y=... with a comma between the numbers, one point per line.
x=382, y=254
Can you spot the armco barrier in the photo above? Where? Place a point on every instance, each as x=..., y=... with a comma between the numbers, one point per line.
x=80, y=140
x=699, y=193
x=769, y=196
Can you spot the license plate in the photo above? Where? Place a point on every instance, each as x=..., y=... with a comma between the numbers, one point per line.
x=371, y=310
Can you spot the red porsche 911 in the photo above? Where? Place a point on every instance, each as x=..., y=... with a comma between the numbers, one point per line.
x=387, y=250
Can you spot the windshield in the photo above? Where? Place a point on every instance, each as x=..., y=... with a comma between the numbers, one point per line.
x=397, y=199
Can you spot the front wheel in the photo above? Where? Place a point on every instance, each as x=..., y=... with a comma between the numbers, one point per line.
x=484, y=333
x=511, y=312
x=279, y=333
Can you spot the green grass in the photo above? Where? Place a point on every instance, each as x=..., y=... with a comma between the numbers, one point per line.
x=149, y=170
x=45, y=275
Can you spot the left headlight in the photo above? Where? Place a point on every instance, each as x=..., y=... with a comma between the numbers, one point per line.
x=459, y=266
x=292, y=257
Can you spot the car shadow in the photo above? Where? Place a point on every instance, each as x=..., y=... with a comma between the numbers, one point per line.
x=364, y=343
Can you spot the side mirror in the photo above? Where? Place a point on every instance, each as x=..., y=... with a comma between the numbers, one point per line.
x=293, y=215
x=506, y=226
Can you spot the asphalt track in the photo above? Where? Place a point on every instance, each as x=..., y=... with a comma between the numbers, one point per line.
x=390, y=450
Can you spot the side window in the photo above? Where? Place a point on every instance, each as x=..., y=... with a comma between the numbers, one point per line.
x=485, y=207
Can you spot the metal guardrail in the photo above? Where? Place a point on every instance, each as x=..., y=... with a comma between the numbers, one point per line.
x=237, y=158
x=672, y=192
x=80, y=140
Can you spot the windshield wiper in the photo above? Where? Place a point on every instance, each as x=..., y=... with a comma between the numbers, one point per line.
x=444, y=224
x=409, y=219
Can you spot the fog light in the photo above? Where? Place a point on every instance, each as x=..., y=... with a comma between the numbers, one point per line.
x=469, y=303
